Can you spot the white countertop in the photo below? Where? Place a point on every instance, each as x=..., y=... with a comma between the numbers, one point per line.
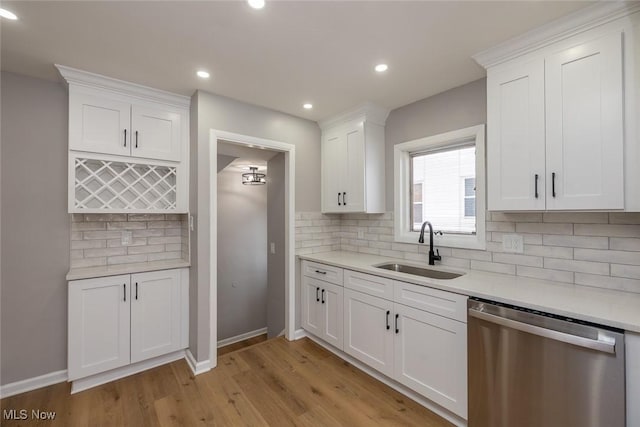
x=114, y=270
x=607, y=307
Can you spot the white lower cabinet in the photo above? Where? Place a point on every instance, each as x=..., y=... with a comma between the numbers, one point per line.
x=413, y=334
x=368, y=333
x=99, y=314
x=322, y=310
x=118, y=320
x=430, y=357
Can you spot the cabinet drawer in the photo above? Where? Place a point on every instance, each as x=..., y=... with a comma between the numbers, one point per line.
x=368, y=284
x=324, y=272
x=447, y=304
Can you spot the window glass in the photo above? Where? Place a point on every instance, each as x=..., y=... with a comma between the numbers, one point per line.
x=446, y=196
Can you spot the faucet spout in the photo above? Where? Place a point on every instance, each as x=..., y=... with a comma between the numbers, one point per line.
x=432, y=256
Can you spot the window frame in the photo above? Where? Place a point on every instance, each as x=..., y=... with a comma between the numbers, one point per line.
x=403, y=187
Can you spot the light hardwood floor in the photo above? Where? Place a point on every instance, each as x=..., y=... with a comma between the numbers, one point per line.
x=241, y=344
x=274, y=383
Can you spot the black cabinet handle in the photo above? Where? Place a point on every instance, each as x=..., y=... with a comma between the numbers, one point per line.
x=339, y=203
x=397, y=330
x=388, y=313
x=344, y=198
x=317, y=297
x=323, y=296
x=136, y=139
x=321, y=272
x=536, y=186
x=124, y=293
x=125, y=137
x=553, y=184
x=136, y=290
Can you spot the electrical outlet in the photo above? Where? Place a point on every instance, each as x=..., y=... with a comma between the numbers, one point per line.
x=360, y=234
x=126, y=237
x=191, y=224
x=272, y=248
x=513, y=243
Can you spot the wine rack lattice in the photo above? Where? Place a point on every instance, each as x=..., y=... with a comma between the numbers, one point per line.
x=102, y=184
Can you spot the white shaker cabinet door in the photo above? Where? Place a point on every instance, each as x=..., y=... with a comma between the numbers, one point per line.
x=98, y=124
x=311, y=306
x=516, y=137
x=334, y=161
x=353, y=197
x=98, y=325
x=331, y=300
x=155, y=314
x=156, y=133
x=584, y=118
x=430, y=357
x=368, y=332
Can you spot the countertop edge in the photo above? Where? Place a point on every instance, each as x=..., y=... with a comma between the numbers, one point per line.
x=115, y=270
x=615, y=321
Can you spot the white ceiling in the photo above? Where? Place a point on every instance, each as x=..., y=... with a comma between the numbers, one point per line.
x=245, y=156
x=289, y=53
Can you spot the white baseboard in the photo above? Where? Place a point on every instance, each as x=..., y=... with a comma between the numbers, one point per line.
x=197, y=367
x=114, y=374
x=421, y=400
x=299, y=333
x=241, y=337
x=34, y=383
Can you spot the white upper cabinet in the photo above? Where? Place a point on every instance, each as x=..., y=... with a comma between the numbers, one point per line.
x=353, y=161
x=515, y=113
x=128, y=146
x=155, y=132
x=584, y=120
x=99, y=124
x=562, y=114
x=112, y=125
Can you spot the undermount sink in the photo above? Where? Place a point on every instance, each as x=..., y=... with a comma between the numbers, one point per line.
x=419, y=271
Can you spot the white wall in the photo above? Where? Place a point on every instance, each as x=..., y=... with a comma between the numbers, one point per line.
x=242, y=255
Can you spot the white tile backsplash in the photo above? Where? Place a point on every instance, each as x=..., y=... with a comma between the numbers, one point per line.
x=96, y=238
x=595, y=249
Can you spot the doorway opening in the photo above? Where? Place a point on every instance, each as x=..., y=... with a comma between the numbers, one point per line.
x=239, y=251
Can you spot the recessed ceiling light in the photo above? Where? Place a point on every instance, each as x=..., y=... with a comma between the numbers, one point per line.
x=256, y=4
x=9, y=15
x=381, y=68
x=307, y=106
x=203, y=74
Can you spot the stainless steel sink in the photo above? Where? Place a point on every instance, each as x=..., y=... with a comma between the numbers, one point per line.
x=418, y=271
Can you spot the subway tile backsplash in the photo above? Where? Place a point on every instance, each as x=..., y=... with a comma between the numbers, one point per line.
x=96, y=239
x=595, y=249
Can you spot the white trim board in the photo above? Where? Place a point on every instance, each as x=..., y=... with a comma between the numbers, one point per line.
x=242, y=337
x=34, y=383
x=210, y=165
x=196, y=367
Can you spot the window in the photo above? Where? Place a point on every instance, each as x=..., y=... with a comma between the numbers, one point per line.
x=440, y=179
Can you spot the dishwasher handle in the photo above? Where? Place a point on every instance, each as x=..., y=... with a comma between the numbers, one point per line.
x=603, y=346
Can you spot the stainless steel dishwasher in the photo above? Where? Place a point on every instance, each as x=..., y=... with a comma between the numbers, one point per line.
x=532, y=369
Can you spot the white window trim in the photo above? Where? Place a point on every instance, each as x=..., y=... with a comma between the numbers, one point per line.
x=402, y=188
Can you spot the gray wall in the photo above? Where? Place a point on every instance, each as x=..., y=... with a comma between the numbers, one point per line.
x=456, y=108
x=276, y=236
x=211, y=111
x=35, y=227
x=242, y=255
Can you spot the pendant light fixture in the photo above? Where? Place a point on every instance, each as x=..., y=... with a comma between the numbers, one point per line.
x=254, y=177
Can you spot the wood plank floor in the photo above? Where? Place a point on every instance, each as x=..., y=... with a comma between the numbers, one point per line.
x=241, y=344
x=274, y=383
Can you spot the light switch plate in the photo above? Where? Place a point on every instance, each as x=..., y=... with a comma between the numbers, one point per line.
x=272, y=248
x=360, y=234
x=513, y=243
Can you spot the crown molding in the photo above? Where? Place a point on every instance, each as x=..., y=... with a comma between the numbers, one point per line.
x=555, y=31
x=73, y=76
x=367, y=111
